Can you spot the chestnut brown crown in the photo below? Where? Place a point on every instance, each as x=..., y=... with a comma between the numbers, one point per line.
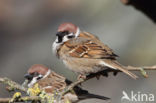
x=69, y=27
x=38, y=68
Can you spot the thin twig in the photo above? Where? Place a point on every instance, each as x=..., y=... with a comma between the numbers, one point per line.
x=15, y=86
x=132, y=68
x=12, y=85
x=22, y=99
x=72, y=85
x=105, y=73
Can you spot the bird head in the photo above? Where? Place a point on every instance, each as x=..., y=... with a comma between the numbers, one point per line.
x=36, y=73
x=66, y=31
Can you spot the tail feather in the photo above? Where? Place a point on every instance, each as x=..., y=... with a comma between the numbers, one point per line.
x=88, y=95
x=84, y=94
x=116, y=65
x=128, y=73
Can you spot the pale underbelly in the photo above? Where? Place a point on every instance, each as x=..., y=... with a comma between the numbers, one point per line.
x=82, y=66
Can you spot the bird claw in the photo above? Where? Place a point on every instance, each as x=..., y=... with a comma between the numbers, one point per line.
x=105, y=74
x=115, y=73
x=15, y=97
x=81, y=76
x=98, y=77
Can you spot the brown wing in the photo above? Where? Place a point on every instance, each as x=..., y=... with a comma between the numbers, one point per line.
x=53, y=82
x=88, y=35
x=89, y=48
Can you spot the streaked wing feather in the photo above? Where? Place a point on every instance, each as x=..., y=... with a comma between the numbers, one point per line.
x=52, y=83
x=86, y=48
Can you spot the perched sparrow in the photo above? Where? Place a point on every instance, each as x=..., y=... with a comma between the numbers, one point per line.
x=50, y=82
x=84, y=53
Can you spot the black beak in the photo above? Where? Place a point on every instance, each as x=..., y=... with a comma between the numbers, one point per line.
x=28, y=76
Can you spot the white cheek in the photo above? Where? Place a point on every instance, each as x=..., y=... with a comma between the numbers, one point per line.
x=33, y=81
x=77, y=32
x=65, y=38
x=70, y=34
x=56, y=46
x=56, y=40
x=49, y=71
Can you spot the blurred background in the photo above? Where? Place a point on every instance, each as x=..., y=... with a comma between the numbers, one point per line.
x=28, y=28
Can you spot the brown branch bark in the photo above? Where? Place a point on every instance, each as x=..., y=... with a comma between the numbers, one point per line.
x=15, y=86
x=105, y=73
x=22, y=99
x=12, y=85
x=132, y=68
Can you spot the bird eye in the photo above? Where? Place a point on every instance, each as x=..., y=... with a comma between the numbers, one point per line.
x=62, y=34
x=35, y=74
x=65, y=32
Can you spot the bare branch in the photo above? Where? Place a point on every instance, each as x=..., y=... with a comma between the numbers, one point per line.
x=105, y=73
x=72, y=85
x=12, y=85
x=15, y=86
x=22, y=99
x=132, y=68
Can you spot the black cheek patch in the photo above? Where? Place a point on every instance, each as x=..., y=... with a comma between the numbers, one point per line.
x=71, y=36
x=60, y=36
x=39, y=78
x=60, y=39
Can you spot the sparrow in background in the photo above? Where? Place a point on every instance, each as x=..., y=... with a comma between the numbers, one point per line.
x=50, y=82
x=83, y=52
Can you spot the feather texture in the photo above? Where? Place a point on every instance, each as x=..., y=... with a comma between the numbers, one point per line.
x=85, y=54
x=54, y=82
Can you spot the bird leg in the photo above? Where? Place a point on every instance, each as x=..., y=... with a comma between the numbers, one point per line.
x=103, y=73
x=115, y=72
x=106, y=71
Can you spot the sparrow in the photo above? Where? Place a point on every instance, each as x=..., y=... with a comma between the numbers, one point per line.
x=83, y=52
x=51, y=82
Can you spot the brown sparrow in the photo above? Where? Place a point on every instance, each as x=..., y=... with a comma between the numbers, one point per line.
x=50, y=82
x=84, y=53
